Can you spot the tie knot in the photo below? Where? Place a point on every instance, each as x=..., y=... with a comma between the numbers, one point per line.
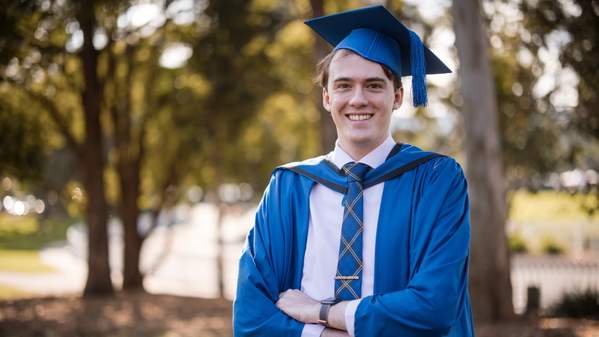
x=355, y=171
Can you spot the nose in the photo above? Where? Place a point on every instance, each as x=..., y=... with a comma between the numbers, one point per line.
x=358, y=99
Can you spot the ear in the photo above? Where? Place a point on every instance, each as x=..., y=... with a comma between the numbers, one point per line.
x=326, y=99
x=398, y=99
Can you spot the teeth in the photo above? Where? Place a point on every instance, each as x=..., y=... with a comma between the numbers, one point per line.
x=359, y=117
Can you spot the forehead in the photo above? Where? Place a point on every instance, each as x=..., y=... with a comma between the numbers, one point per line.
x=347, y=64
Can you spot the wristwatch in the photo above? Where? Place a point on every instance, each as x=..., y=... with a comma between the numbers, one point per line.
x=325, y=306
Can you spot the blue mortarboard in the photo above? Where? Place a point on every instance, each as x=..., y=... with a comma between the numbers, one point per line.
x=375, y=34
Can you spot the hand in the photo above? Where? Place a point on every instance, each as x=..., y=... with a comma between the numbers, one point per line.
x=299, y=306
x=328, y=332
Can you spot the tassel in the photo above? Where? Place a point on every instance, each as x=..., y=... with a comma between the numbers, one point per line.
x=418, y=69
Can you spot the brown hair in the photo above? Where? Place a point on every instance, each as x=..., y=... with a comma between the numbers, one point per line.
x=322, y=70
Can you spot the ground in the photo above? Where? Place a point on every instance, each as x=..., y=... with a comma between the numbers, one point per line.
x=123, y=316
x=148, y=315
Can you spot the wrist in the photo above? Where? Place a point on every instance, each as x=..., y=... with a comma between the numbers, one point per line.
x=324, y=310
x=314, y=314
x=336, y=317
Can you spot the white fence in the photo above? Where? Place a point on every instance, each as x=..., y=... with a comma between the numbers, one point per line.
x=554, y=276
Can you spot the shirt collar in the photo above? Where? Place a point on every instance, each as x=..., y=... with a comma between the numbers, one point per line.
x=373, y=159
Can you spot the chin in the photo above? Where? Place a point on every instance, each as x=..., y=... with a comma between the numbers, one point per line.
x=362, y=141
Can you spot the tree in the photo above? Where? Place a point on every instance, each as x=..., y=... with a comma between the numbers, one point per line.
x=77, y=88
x=231, y=56
x=23, y=156
x=149, y=117
x=489, y=265
x=328, y=133
x=42, y=46
x=22, y=152
x=577, y=22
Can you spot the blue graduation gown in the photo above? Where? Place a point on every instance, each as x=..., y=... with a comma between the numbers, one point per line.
x=421, y=257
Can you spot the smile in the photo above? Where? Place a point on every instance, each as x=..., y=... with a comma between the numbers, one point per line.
x=359, y=117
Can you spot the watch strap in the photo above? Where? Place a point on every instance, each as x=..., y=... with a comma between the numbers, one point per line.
x=323, y=316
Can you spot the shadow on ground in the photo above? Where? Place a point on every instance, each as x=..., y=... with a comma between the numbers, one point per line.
x=544, y=327
x=128, y=315
x=133, y=315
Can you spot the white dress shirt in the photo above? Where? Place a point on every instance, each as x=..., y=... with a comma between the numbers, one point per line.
x=324, y=233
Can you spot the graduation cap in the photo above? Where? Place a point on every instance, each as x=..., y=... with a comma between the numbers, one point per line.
x=375, y=34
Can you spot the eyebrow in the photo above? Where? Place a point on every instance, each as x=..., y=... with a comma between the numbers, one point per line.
x=370, y=79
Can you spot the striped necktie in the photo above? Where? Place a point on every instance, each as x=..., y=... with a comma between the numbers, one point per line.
x=348, y=280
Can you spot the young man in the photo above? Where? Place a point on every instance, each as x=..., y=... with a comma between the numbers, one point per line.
x=371, y=239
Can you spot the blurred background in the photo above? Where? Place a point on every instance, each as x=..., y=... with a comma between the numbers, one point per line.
x=137, y=137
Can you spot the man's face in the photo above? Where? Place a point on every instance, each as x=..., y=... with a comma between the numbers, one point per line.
x=360, y=98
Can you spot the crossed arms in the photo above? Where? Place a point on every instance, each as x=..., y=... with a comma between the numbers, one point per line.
x=303, y=308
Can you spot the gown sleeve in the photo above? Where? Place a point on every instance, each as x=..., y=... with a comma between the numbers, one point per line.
x=436, y=293
x=263, y=270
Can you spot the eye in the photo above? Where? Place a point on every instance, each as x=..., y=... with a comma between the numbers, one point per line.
x=375, y=85
x=342, y=85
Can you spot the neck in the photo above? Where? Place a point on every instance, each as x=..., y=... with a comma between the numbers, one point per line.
x=357, y=151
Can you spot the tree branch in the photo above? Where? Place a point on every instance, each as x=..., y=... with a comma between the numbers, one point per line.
x=56, y=116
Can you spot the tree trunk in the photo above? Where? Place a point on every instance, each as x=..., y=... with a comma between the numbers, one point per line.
x=129, y=210
x=98, y=268
x=220, y=247
x=92, y=162
x=221, y=208
x=130, y=151
x=328, y=133
x=489, y=265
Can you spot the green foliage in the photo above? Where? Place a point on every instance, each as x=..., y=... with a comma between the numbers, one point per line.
x=578, y=304
x=590, y=203
x=578, y=22
x=517, y=244
x=22, y=225
x=222, y=110
x=530, y=138
x=231, y=56
x=10, y=23
x=22, y=139
x=31, y=233
x=550, y=246
x=533, y=138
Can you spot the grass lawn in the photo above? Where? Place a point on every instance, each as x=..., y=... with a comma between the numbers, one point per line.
x=7, y=293
x=22, y=261
x=548, y=206
x=551, y=218
x=21, y=237
x=29, y=232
